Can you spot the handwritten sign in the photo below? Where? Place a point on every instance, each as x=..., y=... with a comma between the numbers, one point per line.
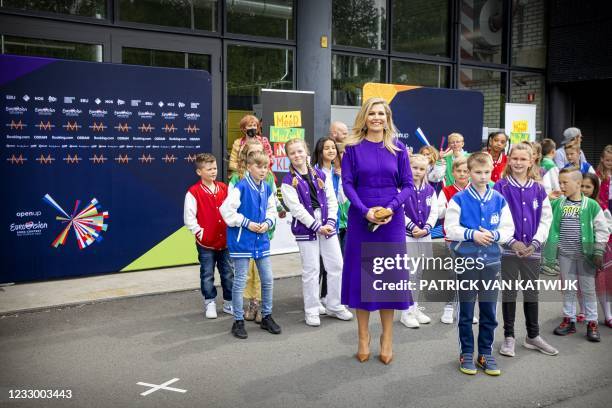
x=519, y=131
x=288, y=119
x=281, y=135
x=280, y=164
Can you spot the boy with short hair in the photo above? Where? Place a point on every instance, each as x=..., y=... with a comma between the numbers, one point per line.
x=577, y=238
x=548, y=154
x=551, y=179
x=202, y=217
x=477, y=220
x=454, y=152
x=249, y=211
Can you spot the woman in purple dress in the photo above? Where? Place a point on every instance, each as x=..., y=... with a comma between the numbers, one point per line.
x=375, y=173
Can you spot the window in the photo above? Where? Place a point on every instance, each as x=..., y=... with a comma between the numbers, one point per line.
x=421, y=27
x=51, y=48
x=249, y=69
x=529, y=33
x=350, y=73
x=527, y=87
x=359, y=23
x=265, y=18
x=411, y=73
x=191, y=14
x=482, y=30
x=492, y=84
x=170, y=59
x=86, y=8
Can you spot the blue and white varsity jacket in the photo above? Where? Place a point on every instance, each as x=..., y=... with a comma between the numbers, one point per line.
x=467, y=211
x=248, y=202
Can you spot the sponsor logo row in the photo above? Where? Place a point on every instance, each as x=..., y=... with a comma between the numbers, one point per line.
x=102, y=101
x=102, y=113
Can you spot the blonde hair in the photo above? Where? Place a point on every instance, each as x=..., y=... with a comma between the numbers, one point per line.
x=573, y=145
x=360, y=131
x=294, y=180
x=481, y=158
x=258, y=158
x=244, y=152
x=419, y=158
x=537, y=151
x=459, y=162
x=455, y=135
x=435, y=155
x=533, y=172
x=603, y=174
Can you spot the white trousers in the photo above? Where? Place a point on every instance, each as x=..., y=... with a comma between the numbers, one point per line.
x=418, y=248
x=329, y=250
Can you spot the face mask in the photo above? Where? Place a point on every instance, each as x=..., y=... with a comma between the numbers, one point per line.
x=251, y=132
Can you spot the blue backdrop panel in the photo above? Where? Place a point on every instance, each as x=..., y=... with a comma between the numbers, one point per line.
x=123, y=135
x=438, y=112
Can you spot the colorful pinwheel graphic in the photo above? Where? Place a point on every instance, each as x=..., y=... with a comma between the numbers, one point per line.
x=87, y=224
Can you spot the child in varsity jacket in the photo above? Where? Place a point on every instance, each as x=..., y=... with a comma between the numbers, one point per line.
x=532, y=215
x=310, y=198
x=477, y=220
x=201, y=216
x=577, y=238
x=421, y=212
x=249, y=211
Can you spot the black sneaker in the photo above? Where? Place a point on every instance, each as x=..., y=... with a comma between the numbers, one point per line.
x=238, y=329
x=566, y=327
x=268, y=323
x=593, y=331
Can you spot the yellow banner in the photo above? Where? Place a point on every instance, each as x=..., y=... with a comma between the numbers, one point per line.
x=288, y=119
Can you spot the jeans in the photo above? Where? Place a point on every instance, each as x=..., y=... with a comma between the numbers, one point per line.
x=487, y=303
x=208, y=258
x=240, y=277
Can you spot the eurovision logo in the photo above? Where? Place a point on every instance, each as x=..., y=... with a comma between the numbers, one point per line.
x=87, y=224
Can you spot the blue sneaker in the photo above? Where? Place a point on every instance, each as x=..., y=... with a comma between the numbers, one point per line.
x=488, y=364
x=466, y=364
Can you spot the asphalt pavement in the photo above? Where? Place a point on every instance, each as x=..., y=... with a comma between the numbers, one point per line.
x=102, y=351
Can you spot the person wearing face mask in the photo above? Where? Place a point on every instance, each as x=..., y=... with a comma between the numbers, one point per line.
x=250, y=127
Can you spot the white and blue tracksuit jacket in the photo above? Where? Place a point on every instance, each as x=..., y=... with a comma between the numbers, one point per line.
x=467, y=212
x=248, y=202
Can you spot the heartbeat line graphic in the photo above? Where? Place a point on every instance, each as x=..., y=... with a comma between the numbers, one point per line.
x=169, y=159
x=16, y=159
x=45, y=160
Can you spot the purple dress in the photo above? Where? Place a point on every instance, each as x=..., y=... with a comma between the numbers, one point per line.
x=372, y=176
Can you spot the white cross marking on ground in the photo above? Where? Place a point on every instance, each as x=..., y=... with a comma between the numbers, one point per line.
x=160, y=387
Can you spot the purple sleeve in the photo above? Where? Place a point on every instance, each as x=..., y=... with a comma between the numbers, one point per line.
x=498, y=187
x=406, y=184
x=348, y=181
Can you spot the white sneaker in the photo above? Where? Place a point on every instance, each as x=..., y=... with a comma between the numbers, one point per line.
x=447, y=316
x=227, y=308
x=409, y=319
x=421, y=317
x=313, y=320
x=211, y=310
x=475, y=320
x=343, y=314
x=322, y=310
